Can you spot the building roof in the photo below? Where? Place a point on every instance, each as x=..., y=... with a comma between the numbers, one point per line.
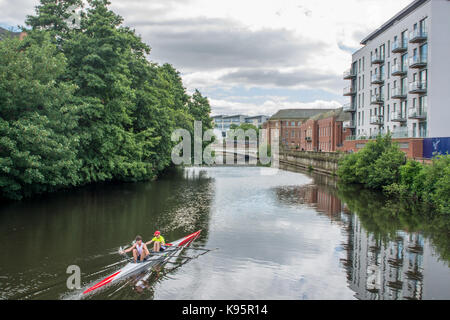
x=297, y=113
x=338, y=113
x=403, y=13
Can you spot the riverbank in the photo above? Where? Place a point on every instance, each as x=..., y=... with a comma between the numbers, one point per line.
x=380, y=165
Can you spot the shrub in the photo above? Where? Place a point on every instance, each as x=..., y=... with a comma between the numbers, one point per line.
x=386, y=169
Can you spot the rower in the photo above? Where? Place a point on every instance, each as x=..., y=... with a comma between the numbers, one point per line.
x=140, y=251
x=159, y=242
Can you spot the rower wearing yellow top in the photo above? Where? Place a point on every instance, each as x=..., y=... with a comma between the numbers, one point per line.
x=159, y=242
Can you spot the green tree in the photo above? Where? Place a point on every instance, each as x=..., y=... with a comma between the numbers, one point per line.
x=38, y=144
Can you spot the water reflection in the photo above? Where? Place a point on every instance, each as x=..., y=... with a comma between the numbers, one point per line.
x=386, y=247
x=280, y=236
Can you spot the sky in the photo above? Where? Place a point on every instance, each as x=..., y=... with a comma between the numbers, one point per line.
x=250, y=56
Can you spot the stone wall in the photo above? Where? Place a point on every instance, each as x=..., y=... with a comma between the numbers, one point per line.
x=324, y=162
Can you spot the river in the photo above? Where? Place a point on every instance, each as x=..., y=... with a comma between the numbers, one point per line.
x=276, y=234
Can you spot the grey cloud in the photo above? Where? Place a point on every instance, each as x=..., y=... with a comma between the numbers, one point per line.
x=273, y=77
x=204, y=44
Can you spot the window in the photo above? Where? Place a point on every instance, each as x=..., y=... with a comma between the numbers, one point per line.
x=363, y=81
x=404, y=38
x=389, y=70
x=423, y=26
x=363, y=63
x=388, y=113
x=389, y=48
x=293, y=123
x=424, y=51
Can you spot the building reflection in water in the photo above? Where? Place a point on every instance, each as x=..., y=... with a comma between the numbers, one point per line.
x=376, y=269
x=384, y=270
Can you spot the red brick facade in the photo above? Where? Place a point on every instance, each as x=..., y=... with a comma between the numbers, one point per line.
x=325, y=134
x=412, y=147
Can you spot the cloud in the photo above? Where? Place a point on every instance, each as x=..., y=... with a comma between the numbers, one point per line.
x=213, y=43
x=270, y=106
x=274, y=77
x=234, y=44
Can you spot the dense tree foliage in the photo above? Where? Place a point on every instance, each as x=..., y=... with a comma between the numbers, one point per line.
x=82, y=103
x=381, y=165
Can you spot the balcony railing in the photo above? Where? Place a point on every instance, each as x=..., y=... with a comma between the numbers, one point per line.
x=401, y=132
x=417, y=36
x=376, y=99
x=399, y=46
x=417, y=113
x=418, y=87
x=349, y=91
x=398, y=117
x=377, y=59
x=399, y=69
x=349, y=124
x=349, y=74
x=398, y=93
x=419, y=61
x=377, y=120
x=349, y=107
x=377, y=78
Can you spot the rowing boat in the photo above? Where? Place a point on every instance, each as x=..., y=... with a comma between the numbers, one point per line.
x=155, y=258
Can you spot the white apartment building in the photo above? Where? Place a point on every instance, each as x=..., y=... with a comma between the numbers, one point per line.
x=399, y=81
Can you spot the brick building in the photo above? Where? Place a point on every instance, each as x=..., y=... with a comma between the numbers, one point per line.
x=310, y=129
x=288, y=122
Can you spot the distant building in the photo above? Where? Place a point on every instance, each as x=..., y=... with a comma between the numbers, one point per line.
x=257, y=121
x=222, y=123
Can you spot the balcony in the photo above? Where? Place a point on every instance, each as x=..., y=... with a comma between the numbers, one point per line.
x=417, y=113
x=376, y=99
x=349, y=107
x=400, y=132
x=377, y=59
x=349, y=74
x=398, y=93
x=417, y=36
x=377, y=79
x=349, y=91
x=398, y=117
x=399, y=46
x=418, y=61
x=377, y=120
x=399, y=70
x=349, y=124
x=308, y=139
x=418, y=87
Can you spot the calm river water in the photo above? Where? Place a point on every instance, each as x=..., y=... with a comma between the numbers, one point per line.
x=279, y=235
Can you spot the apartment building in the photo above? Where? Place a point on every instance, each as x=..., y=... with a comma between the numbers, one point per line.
x=399, y=80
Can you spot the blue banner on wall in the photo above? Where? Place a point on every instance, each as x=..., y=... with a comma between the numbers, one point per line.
x=434, y=146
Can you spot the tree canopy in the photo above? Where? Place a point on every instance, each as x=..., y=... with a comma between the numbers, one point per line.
x=83, y=104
